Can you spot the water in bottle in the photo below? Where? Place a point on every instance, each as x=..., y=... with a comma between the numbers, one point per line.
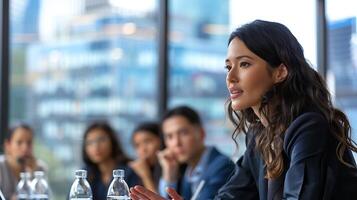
x=118, y=189
x=23, y=189
x=80, y=189
x=39, y=187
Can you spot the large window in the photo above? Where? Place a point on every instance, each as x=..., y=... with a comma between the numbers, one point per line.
x=342, y=56
x=73, y=62
x=298, y=16
x=76, y=61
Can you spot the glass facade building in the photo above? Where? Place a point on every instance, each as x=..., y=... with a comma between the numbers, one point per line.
x=97, y=60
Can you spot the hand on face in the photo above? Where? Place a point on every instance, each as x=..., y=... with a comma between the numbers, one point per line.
x=141, y=193
x=27, y=163
x=30, y=164
x=23, y=163
x=169, y=164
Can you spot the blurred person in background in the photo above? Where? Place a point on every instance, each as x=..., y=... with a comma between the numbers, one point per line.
x=147, y=142
x=186, y=161
x=18, y=158
x=102, y=153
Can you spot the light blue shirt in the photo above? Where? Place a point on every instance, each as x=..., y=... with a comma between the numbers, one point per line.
x=192, y=176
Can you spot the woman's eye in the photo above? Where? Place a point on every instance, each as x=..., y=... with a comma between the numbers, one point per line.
x=228, y=68
x=244, y=64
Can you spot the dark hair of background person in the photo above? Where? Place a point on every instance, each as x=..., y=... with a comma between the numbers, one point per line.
x=149, y=128
x=184, y=111
x=303, y=88
x=117, y=152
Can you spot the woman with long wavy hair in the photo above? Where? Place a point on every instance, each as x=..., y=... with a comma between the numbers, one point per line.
x=299, y=145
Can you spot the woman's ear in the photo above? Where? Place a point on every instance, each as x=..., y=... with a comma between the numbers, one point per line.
x=280, y=73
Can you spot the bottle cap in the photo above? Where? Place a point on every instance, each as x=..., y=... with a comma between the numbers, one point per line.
x=26, y=175
x=117, y=173
x=81, y=173
x=39, y=173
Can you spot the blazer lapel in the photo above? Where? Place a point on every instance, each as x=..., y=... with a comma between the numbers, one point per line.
x=263, y=182
x=186, y=189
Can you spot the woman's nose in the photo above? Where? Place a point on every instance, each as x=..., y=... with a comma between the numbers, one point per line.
x=232, y=75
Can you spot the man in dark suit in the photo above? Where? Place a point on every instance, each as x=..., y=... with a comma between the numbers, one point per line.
x=187, y=164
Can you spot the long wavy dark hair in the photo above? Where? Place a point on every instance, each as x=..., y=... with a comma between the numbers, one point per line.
x=303, y=88
x=117, y=152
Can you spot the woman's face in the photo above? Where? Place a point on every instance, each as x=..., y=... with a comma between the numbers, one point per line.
x=98, y=146
x=146, y=145
x=20, y=144
x=248, y=77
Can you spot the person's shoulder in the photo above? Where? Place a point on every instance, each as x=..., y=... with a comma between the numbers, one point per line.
x=3, y=167
x=308, y=117
x=2, y=161
x=216, y=154
x=310, y=130
x=218, y=159
x=127, y=169
x=131, y=177
x=307, y=121
x=123, y=166
x=219, y=167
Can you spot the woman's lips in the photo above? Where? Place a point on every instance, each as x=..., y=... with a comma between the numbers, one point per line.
x=235, y=94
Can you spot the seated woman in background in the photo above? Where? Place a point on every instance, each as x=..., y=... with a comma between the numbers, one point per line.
x=147, y=142
x=18, y=157
x=102, y=153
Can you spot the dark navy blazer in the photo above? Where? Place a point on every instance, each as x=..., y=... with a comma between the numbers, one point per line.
x=313, y=171
x=216, y=174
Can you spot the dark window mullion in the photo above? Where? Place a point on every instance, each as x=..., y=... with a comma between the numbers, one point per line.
x=322, y=59
x=4, y=70
x=163, y=64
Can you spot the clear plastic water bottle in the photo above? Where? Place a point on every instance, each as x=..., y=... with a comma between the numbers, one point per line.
x=23, y=189
x=39, y=187
x=118, y=189
x=80, y=189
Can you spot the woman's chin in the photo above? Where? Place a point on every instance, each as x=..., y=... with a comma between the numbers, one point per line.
x=237, y=106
